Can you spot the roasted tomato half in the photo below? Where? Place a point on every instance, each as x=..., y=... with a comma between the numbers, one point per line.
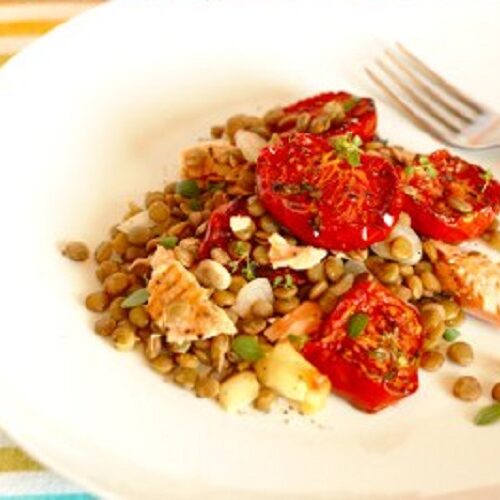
x=449, y=199
x=332, y=113
x=369, y=347
x=322, y=198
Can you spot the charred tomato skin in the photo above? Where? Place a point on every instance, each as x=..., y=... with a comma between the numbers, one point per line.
x=322, y=199
x=360, y=117
x=378, y=367
x=426, y=198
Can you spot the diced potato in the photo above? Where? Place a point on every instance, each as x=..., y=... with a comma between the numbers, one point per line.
x=288, y=373
x=238, y=391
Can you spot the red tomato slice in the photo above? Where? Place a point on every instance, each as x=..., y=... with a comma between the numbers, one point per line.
x=360, y=116
x=449, y=199
x=375, y=367
x=322, y=199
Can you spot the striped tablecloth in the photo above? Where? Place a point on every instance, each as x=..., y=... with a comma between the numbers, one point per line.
x=21, y=22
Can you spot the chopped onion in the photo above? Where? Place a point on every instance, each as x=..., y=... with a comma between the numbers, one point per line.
x=258, y=289
x=250, y=144
x=383, y=249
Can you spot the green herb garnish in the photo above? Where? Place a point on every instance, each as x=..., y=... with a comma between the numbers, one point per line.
x=488, y=415
x=356, y=324
x=136, y=298
x=348, y=104
x=240, y=248
x=277, y=281
x=487, y=177
x=195, y=204
x=451, y=334
x=348, y=147
x=248, y=270
x=216, y=186
x=233, y=266
x=187, y=188
x=247, y=348
x=409, y=170
x=168, y=241
x=427, y=166
x=289, y=283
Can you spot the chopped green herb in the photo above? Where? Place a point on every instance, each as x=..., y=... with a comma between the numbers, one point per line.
x=277, y=281
x=350, y=103
x=136, y=298
x=240, y=248
x=216, y=186
x=233, y=266
x=430, y=171
x=451, y=334
x=348, y=147
x=423, y=160
x=169, y=241
x=247, y=348
x=409, y=170
x=187, y=188
x=488, y=415
x=195, y=204
x=248, y=270
x=487, y=176
x=298, y=341
x=356, y=324
x=289, y=283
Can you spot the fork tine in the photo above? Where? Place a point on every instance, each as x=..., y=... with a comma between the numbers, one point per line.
x=416, y=98
x=440, y=81
x=426, y=89
x=417, y=119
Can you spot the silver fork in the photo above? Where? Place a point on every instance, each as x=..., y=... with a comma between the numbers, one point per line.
x=435, y=105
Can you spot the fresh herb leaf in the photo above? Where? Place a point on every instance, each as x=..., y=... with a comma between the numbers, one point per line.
x=233, y=266
x=248, y=270
x=247, y=348
x=430, y=171
x=136, y=298
x=409, y=170
x=277, y=281
x=187, y=188
x=298, y=341
x=169, y=241
x=487, y=176
x=240, y=248
x=195, y=204
x=488, y=415
x=356, y=324
x=451, y=334
x=348, y=147
x=423, y=160
x=289, y=283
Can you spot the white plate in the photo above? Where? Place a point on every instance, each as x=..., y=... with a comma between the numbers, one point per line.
x=93, y=116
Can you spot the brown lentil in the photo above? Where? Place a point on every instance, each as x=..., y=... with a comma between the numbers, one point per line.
x=138, y=316
x=318, y=289
x=415, y=285
x=223, y=298
x=103, y=251
x=218, y=350
x=260, y=255
x=116, y=311
x=273, y=116
x=389, y=273
x=265, y=400
x=430, y=250
x=431, y=361
x=460, y=353
x=124, y=337
x=262, y=309
x=133, y=253
x=343, y=285
x=495, y=392
x=106, y=268
x=253, y=326
x=374, y=263
x=153, y=196
x=120, y=243
x=159, y=211
x=207, y=387
x=76, y=250
x=401, y=248
x=220, y=256
x=316, y=273
x=451, y=309
x=116, y=283
x=187, y=360
x=185, y=377
x=255, y=207
x=284, y=306
x=104, y=326
x=457, y=321
x=405, y=270
x=217, y=131
x=139, y=235
x=268, y=225
x=237, y=283
x=467, y=388
x=459, y=205
x=430, y=282
x=239, y=249
x=430, y=319
x=162, y=364
x=403, y=292
x=303, y=121
x=283, y=292
x=423, y=267
x=320, y=124
x=97, y=301
x=328, y=301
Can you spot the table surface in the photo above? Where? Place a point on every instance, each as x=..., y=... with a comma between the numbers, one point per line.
x=22, y=22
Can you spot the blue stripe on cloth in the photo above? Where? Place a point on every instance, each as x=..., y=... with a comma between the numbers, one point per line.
x=51, y=496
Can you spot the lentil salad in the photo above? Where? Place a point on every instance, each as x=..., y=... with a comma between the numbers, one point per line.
x=293, y=260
